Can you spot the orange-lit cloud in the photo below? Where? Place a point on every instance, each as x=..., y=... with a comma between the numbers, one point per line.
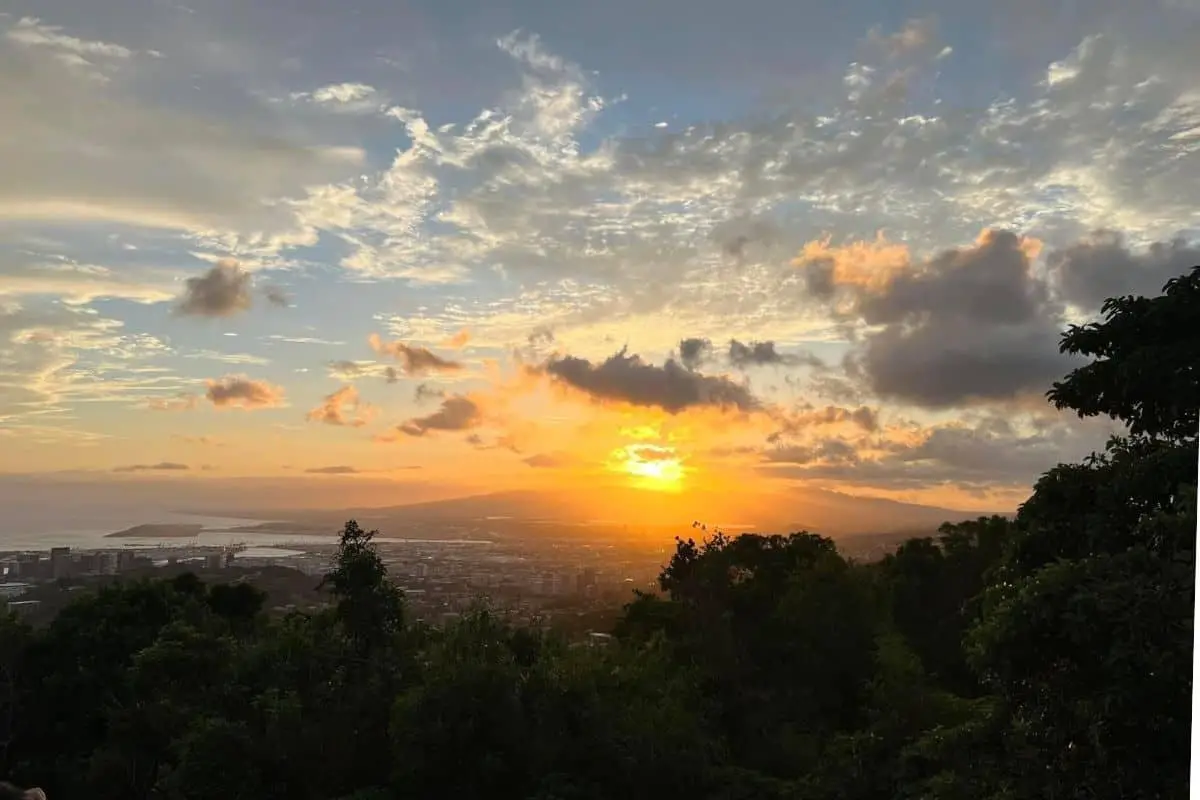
x=343, y=407
x=459, y=340
x=869, y=265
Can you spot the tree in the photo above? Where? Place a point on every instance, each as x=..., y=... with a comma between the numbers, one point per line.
x=782, y=632
x=1146, y=362
x=369, y=606
x=1085, y=633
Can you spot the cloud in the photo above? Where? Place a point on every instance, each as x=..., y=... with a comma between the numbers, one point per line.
x=457, y=413
x=970, y=324
x=1102, y=265
x=649, y=452
x=549, y=460
x=459, y=340
x=208, y=441
x=808, y=417
x=627, y=379
x=540, y=336
x=987, y=451
x=866, y=265
x=334, y=409
x=693, y=352
x=33, y=32
x=413, y=360
x=162, y=466
x=275, y=337
x=239, y=391
x=228, y=358
x=348, y=369
x=754, y=354
x=138, y=161
x=344, y=98
x=222, y=291
x=53, y=356
x=79, y=284
x=426, y=392
x=276, y=296
x=914, y=36
x=180, y=402
x=335, y=470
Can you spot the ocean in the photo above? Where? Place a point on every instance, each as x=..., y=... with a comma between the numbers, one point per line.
x=43, y=531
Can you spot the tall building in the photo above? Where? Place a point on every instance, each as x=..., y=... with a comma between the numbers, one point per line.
x=60, y=562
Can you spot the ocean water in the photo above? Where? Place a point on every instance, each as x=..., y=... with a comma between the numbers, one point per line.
x=79, y=533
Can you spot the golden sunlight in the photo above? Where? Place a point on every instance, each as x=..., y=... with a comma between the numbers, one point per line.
x=650, y=466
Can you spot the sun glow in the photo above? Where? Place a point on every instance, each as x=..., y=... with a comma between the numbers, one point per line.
x=651, y=467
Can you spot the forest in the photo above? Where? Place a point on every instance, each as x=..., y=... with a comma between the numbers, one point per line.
x=1043, y=656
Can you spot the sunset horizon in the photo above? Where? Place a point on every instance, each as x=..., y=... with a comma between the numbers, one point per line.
x=498, y=258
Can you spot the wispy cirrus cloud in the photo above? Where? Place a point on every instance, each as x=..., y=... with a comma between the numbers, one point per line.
x=162, y=466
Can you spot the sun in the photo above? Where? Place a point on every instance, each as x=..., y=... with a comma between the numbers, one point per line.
x=650, y=467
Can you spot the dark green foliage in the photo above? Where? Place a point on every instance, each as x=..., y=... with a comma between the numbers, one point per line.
x=1146, y=355
x=1042, y=657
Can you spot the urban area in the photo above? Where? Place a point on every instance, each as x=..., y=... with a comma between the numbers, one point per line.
x=566, y=579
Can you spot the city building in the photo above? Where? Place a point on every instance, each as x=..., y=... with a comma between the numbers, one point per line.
x=60, y=562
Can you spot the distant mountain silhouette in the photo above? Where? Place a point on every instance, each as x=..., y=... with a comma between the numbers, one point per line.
x=826, y=512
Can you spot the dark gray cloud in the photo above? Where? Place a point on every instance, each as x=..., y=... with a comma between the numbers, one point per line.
x=989, y=283
x=971, y=324
x=1102, y=266
x=754, y=354
x=414, y=360
x=162, y=466
x=276, y=296
x=426, y=392
x=241, y=392
x=949, y=362
x=694, y=351
x=457, y=413
x=792, y=423
x=736, y=235
x=222, y=291
x=335, y=470
x=987, y=452
x=541, y=335
x=671, y=387
x=826, y=451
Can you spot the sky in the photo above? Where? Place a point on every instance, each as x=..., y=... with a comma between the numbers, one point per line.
x=400, y=250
